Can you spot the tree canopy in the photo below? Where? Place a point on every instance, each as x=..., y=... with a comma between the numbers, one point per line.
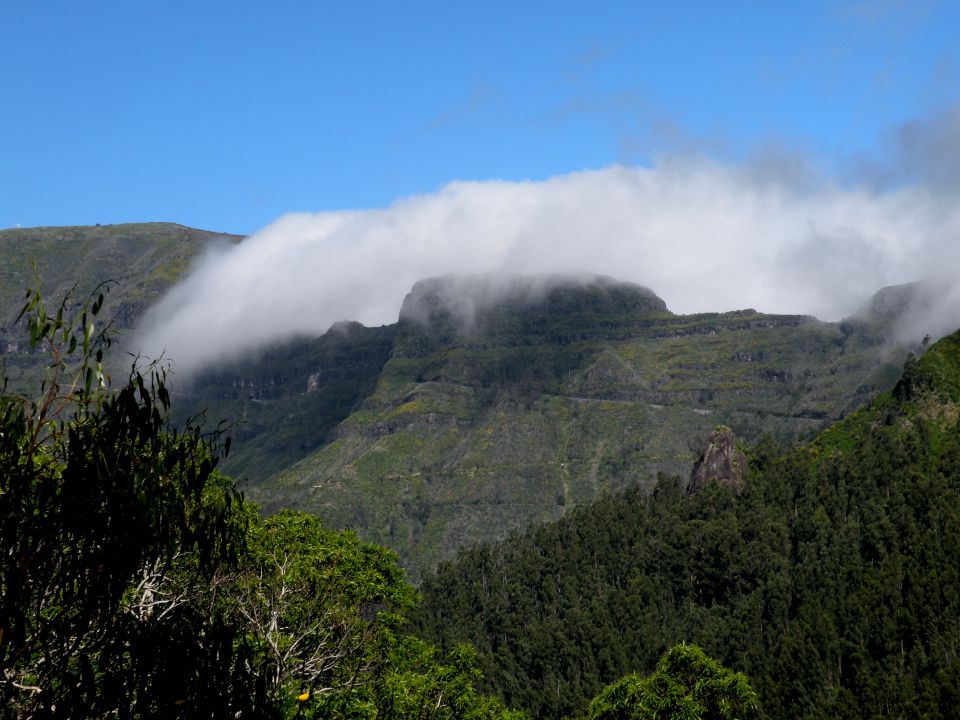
x=686, y=685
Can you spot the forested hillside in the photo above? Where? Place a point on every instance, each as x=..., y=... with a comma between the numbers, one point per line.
x=832, y=581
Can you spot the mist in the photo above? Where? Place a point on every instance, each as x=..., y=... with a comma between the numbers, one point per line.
x=703, y=235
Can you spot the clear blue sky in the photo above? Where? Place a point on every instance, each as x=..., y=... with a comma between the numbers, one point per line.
x=224, y=115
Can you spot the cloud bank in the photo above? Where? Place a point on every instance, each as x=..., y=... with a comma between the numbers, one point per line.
x=705, y=236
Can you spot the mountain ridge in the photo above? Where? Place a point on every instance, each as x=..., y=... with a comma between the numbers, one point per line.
x=138, y=262
x=487, y=418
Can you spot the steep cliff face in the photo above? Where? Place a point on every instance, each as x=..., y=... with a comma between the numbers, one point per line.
x=720, y=461
x=503, y=404
x=286, y=402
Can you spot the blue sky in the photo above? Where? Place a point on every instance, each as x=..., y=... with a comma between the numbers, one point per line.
x=227, y=115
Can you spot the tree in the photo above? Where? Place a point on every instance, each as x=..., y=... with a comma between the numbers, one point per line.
x=109, y=523
x=686, y=685
x=323, y=611
x=320, y=606
x=423, y=686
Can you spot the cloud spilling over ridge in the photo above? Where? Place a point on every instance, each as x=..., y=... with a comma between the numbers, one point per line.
x=464, y=298
x=704, y=236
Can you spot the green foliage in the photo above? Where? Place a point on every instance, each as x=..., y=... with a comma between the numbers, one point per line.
x=419, y=684
x=686, y=685
x=323, y=609
x=99, y=506
x=832, y=581
x=136, y=582
x=319, y=606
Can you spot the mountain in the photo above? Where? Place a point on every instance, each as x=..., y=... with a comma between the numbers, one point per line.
x=829, y=576
x=827, y=573
x=494, y=402
x=506, y=401
x=140, y=262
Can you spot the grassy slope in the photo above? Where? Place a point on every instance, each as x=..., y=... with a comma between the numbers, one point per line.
x=469, y=435
x=142, y=260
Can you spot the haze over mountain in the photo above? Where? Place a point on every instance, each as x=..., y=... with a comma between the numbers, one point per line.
x=705, y=236
x=496, y=400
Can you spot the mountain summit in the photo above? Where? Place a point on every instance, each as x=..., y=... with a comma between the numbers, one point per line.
x=481, y=302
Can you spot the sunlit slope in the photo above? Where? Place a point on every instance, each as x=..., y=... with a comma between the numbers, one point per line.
x=541, y=402
x=141, y=261
x=831, y=578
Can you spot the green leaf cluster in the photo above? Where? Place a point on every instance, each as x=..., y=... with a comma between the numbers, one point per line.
x=686, y=685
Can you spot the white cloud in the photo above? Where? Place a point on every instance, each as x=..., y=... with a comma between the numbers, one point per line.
x=702, y=235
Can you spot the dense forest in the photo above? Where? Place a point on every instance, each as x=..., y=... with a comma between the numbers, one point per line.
x=832, y=580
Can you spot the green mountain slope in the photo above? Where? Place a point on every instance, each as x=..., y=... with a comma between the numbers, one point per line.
x=286, y=401
x=832, y=581
x=142, y=260
x=493, y=403
x=508, y=401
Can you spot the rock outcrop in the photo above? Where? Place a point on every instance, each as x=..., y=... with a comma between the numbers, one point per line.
x=720, y=461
